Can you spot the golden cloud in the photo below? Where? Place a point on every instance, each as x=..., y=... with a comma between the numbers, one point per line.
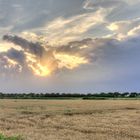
x=42, y=61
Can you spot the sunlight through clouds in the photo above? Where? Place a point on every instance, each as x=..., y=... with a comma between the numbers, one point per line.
x=58, y=41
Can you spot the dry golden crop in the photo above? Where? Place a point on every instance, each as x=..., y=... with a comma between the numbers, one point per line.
x=71, y=119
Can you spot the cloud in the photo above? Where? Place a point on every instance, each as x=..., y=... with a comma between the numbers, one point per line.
x=125, y=28
x=36, y=58
x=34, y=48
x=135, y=31
x=63, y=30
x=42, y=62
x=10, y=62
x=101, y=64
x=94, y=4
x=77, y=45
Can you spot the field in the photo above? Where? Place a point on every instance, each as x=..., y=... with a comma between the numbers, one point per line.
x=71, y=119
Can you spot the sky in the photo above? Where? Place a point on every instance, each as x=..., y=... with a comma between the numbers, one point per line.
x=72, y=46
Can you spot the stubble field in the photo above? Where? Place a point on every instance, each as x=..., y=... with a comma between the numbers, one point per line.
x=71, y=119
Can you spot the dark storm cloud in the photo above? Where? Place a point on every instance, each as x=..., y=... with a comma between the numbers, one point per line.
x=13, y=62
x=74, y=46
x=34, y=48
x=16, y=55
x=83, y=48
x=92, y=49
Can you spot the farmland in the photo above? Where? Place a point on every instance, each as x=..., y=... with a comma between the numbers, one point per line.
x=70, y=119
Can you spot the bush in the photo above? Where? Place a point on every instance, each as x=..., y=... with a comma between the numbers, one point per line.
x=95, y=98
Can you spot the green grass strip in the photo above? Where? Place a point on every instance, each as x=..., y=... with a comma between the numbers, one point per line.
x=2, y=137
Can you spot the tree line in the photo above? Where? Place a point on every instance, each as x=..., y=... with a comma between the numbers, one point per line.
x=68, y=95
